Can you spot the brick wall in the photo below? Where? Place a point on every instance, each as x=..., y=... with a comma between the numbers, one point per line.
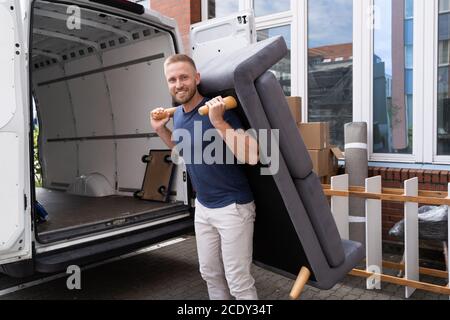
x=185, y=12
x=393, y=178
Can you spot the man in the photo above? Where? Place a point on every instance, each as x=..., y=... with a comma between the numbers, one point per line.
x=225, y=211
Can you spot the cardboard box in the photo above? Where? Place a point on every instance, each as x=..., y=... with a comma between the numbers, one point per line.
x=333, y=165
x=320, y=159
x=295, y=105
x=315, y=134
x=325, y=161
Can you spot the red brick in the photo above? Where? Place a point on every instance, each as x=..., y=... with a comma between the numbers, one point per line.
x=393, y=213
x=196, y=11
x=375, y=171
x=397, y=174
x=182, y=12
x=395, y=217
x=383, y=173
x=412, y=173
x=388, y=184
x=420, y=175
x=427, y=176
x=397, y=184
x=404, y=174
x=390, y=174
x=428, y=186
x=392, y=205
x=435, y=176
x=443, y=177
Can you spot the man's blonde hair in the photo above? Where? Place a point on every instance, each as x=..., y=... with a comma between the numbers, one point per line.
x=179, y=58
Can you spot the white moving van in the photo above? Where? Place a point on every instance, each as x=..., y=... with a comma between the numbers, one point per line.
x=79, y=79
x=93, y=70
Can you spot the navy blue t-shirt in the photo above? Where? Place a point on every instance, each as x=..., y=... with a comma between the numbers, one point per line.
x=217, y=183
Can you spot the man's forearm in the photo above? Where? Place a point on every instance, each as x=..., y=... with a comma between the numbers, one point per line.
x=243, y=146
x=166, y=136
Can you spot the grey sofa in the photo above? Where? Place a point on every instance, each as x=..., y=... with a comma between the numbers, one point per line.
x=294, y=226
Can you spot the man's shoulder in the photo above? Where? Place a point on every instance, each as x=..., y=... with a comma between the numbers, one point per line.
x=177, y=116
x=177, y=110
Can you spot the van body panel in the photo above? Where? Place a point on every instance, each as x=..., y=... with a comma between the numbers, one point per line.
x=91, y=252
x=15, y=220
x=12, y=225
x=7, y=91
x=87, y=123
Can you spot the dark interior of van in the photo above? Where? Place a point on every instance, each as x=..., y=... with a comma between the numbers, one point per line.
x=95, y=78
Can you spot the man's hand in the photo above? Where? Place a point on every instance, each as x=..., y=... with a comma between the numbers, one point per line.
x=216, y=110
x=157, y=125
x=160, y=126
x=243, y=146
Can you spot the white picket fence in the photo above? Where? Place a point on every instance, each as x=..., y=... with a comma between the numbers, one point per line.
x=340, y=191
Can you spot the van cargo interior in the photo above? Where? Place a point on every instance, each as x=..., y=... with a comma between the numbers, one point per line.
x=95, y=78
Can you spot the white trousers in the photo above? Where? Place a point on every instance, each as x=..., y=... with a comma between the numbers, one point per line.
x=225, y=248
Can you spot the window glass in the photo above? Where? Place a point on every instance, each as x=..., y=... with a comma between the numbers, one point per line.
x=330, y=65
x=444, y=5
x=282, y=70
x=266, y=7
x=222, y=8
x=393, y=77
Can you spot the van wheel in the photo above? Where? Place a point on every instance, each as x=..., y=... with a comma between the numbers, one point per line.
x=168, y=159
x=146, y=158
x=138, y=194
x=162, y=190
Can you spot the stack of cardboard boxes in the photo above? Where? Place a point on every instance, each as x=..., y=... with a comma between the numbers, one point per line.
x=316, y=138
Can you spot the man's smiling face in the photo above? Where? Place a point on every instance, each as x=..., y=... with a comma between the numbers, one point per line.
x=182, y=80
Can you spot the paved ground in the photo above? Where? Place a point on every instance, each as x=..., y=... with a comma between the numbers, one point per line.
x=171, y=273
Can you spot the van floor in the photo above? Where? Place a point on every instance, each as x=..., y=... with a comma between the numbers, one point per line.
x=67, y=211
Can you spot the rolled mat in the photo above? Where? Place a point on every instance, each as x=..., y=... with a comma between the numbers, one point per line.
x=356, y=166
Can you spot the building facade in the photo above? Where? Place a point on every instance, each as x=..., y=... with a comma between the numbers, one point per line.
x=383, y=62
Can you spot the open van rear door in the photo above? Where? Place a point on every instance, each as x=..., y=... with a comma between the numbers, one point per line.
x=15, y=212
x=224, y=35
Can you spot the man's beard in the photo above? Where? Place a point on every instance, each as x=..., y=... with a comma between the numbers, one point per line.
x=189, y=96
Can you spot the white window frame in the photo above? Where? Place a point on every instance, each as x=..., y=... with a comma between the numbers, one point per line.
x=430, y=82
x=363, y=47
x=432, y=85
x=280, y=20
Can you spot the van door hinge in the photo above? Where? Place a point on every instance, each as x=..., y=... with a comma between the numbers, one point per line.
x=25, y=201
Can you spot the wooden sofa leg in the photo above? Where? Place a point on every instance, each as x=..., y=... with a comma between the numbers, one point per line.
x=302, y=278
